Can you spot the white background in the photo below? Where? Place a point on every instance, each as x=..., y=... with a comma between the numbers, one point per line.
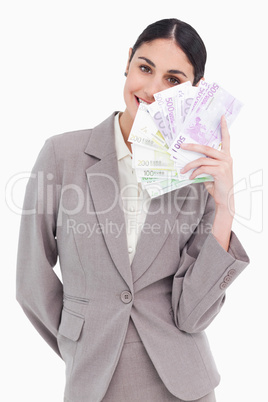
x=62, y=69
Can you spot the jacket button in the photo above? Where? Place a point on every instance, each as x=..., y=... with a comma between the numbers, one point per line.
x=223, y=285
x=228, y=278
x=231, y=272
x=126, y=297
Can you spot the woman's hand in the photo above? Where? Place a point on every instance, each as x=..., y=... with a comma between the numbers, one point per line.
x=218, y=164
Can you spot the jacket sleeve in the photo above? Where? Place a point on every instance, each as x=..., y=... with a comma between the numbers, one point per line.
x=204, y=273
x=38, y=289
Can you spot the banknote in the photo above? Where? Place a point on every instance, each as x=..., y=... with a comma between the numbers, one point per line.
x=202, y=126
x=158, y=117
x=160, y=187
x=138, y=137
x=150, y=158
x=158, y=164
x=185, y=106
x=201, y=91
x=174, y=104
x=144, y=126
x=155, y=174
x=167, y=102
x=182, y=113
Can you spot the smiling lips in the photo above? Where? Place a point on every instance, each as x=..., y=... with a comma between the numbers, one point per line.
x=139, y=100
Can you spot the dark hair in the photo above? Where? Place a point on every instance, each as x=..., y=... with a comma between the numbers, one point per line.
x=186, y=38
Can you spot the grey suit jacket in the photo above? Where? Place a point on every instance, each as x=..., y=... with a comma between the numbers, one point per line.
x=172, y=291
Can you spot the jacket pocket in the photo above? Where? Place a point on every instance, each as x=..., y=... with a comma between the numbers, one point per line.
x=71, y=325
x=75, y=299
x=75, y=305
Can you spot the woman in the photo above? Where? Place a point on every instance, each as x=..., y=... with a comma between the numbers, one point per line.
x=142, y=279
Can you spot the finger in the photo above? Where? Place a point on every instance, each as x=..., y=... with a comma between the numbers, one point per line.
x=203, y=149
x=198, y=163
x=208, y=170
x=225, y=136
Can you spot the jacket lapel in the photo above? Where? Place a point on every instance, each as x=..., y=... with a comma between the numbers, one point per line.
x=162, y=213
x=103, y=180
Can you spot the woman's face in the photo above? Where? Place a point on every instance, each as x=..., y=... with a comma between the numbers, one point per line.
x=155, y=66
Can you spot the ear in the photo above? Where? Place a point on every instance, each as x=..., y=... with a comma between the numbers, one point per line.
x=128, y=62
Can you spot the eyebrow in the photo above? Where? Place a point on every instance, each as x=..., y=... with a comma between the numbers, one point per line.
x=169, y=71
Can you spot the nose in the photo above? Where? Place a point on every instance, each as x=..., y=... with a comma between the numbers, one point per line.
x=152, y=87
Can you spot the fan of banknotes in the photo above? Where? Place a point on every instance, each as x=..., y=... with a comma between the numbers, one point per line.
x=180, y=114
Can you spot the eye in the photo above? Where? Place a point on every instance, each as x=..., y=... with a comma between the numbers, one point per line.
x=145, y=69
x=174, y=81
